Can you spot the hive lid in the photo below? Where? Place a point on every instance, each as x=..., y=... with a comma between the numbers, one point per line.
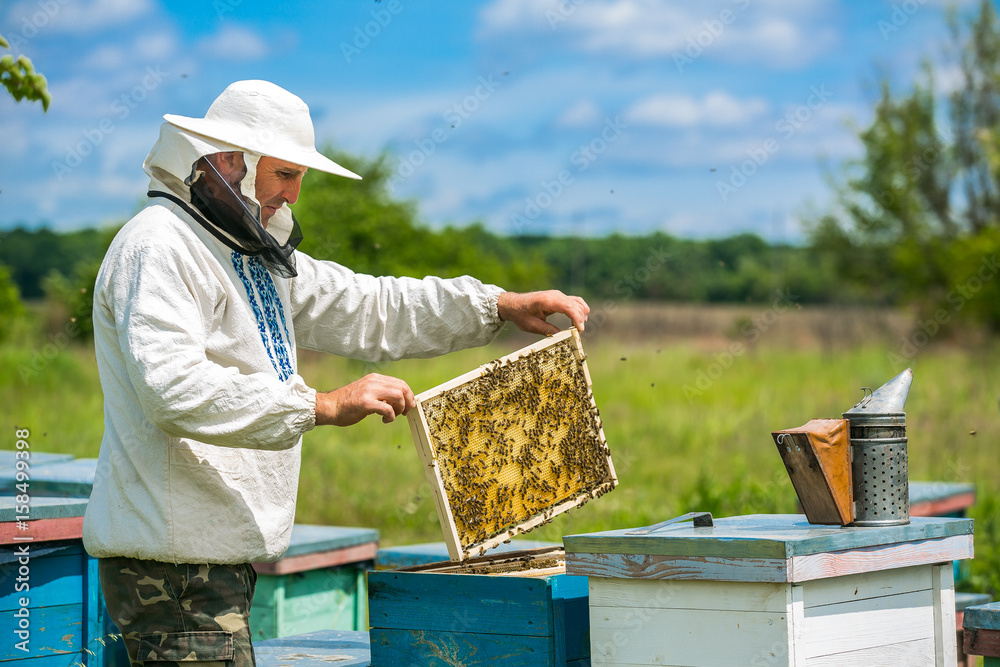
x=777, y=536
x=510, y=445
x=887, y=399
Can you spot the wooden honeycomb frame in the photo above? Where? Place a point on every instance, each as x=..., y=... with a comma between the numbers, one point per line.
x=508, y=446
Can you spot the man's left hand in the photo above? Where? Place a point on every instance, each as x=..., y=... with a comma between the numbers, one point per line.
x=529, y=310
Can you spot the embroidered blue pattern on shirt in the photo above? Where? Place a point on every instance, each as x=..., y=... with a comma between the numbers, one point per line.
x=269, y=297
x=283, y=369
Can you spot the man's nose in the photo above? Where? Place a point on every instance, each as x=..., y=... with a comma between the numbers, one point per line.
x=290, y=193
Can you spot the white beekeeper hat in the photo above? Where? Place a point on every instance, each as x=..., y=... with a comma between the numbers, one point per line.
x=266, y=119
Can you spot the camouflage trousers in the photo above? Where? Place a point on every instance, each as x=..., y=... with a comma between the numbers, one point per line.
x=177, y=614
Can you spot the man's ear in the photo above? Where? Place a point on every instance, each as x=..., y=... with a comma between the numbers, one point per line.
x=230, y=164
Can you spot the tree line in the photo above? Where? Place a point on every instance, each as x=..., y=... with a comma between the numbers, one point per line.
x=916, y=222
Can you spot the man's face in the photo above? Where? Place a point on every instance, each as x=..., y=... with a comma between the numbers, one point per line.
x=278, y=183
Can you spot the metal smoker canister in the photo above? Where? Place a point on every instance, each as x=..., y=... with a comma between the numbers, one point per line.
x=879, y=465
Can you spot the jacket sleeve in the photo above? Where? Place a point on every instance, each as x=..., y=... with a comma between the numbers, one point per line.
x=381, y=318
x=160, y=300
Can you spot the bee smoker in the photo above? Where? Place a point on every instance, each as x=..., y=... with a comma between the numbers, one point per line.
x=879, y=464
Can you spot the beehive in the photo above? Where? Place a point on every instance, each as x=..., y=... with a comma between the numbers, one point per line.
x=511, y=444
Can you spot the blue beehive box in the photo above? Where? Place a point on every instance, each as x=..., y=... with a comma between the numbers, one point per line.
x=54, y=475
x=446, y=617
x=62, y=608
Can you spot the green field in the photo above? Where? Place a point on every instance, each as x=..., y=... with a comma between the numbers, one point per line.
x=687, y=410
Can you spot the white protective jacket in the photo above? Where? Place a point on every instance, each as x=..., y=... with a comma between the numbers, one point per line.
x=204, y=411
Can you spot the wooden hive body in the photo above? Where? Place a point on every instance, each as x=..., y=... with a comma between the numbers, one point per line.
x=511, y=444
x=518, y=609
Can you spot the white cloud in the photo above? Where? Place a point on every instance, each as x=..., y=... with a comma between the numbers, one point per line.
x=584, y=113
x=717, y=108
x=72, y=16
x=776, y=32
x=108, y=56
x=143, y=50
x=234, y=43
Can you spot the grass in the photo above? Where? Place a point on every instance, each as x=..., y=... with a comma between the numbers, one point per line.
x=688, y=418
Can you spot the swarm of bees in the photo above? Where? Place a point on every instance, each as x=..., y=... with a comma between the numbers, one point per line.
x=518, y=441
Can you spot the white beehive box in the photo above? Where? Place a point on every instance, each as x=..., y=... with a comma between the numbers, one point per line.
x=508, y=446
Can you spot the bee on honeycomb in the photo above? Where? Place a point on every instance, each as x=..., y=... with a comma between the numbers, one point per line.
x=514, y=443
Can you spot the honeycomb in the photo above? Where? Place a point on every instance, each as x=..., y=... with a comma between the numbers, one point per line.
x=516, y=444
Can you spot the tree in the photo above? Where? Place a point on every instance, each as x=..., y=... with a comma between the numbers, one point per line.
x=360, y=225
x=10, y=303
x=919, y=212
x=21, y=80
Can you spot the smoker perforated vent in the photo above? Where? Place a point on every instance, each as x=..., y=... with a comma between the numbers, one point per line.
x=881, y=482
x=512, y=444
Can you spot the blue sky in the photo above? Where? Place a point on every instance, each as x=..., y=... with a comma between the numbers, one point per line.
x=534, y=116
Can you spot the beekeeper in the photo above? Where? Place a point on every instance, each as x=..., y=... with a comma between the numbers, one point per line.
x=198, y=308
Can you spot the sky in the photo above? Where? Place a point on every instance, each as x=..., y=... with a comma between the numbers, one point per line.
x=585, y=117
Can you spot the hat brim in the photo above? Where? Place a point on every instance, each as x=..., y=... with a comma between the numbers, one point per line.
x=224, y=132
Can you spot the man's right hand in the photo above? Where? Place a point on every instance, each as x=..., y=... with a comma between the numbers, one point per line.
x=372, y=394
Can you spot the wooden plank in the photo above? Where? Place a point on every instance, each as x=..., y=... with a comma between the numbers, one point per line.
x=41, y=508
x=422, y=441
x=315, y=649
x=433, y=552
x=476, y=373
x=42, y=530
x=821, y=592
x=856, y=561
x=869, y=623
x=982, y=642
x=391, y=647
x=983, y=617
x=944, y=507
x=763, y=536
x=576, y=627
x=66, y=478
x=795, y=624
x=309, y=538
x=459, y=603
x=667, y=594
x=945, y=639
x=917, y=653
x=53, y=630
x=98, y=649
x=693, y=637
x=51, y=660
x=642, y=566
x=53, y=580
x=358, y=554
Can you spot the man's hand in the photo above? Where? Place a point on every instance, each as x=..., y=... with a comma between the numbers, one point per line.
x=529, y=310
x=372, y=394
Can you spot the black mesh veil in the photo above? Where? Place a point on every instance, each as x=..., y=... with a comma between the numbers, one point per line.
x=234, y=217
